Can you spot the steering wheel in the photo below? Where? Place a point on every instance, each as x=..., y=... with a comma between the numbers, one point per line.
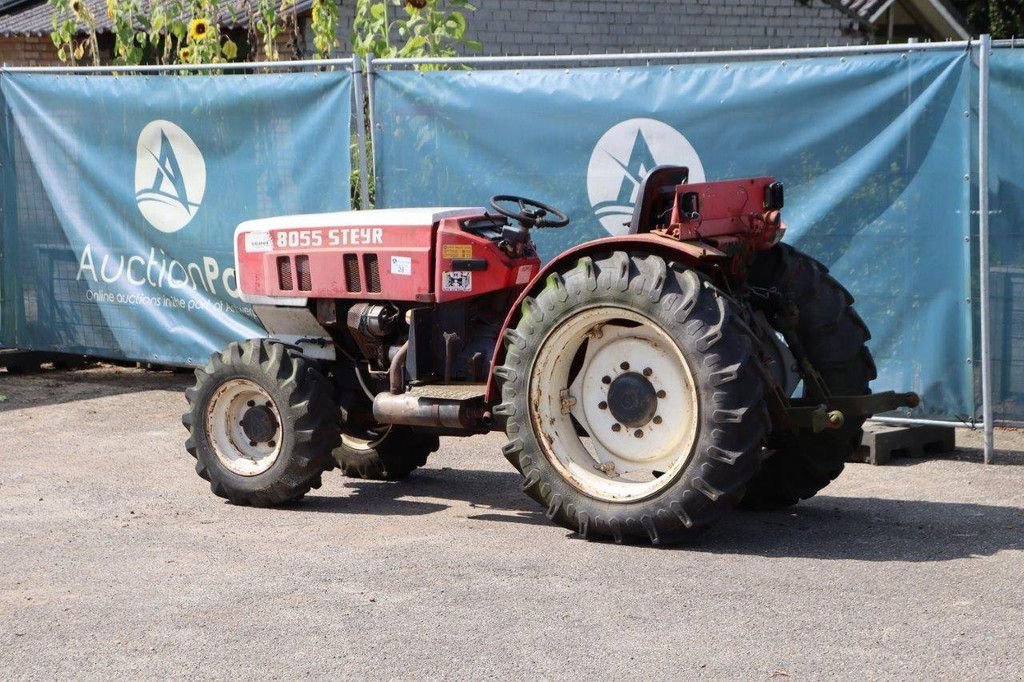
x=531, y=213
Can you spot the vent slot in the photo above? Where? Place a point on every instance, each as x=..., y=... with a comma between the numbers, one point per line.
x=352, y=283
x=284, y=273
x=372, y=267
x=302, y=270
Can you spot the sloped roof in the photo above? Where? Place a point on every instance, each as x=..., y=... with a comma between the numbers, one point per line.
x=938, y=14
x=34, y=17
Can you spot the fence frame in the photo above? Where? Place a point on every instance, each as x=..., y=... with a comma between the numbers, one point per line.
x=984, y=46
x=367, y=68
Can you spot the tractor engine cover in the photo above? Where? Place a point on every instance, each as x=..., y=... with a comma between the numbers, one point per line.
x=384, y=254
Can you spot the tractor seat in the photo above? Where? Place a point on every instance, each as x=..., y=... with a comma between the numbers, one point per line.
x=655, y=196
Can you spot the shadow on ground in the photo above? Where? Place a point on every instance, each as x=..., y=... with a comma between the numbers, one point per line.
x=55, y=387
x=825, y=527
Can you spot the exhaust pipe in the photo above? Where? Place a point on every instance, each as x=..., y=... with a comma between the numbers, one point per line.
x=410, y=410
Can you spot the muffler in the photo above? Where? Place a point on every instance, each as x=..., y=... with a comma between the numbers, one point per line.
x=412, y=410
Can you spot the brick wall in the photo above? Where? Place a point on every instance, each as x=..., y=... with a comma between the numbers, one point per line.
x=567, y=26
x=27, y=51
x=597, y=26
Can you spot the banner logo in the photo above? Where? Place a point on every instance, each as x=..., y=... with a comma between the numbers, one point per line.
x=622, y=159
x=170, y=176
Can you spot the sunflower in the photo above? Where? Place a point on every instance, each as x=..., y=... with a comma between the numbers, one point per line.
x=77, y=7
x=229, y=49
x=418, y=4
x=186, y=55
x=198, y=29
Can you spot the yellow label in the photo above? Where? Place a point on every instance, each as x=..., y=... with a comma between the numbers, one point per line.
x=452, y=251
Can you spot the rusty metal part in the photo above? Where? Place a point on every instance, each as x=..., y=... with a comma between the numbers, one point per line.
x=450, y=339
x=396, y=372
x=412, y=410
x=808, y=414
x=815, y=418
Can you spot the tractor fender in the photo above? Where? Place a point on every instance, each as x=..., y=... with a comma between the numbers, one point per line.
x=689, y=253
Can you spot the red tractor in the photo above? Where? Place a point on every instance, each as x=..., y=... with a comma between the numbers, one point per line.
x=646, y=382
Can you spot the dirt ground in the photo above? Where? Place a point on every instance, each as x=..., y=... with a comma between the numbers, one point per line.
x=116, y=561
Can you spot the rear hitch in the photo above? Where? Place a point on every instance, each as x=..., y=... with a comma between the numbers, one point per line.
x=805, y=415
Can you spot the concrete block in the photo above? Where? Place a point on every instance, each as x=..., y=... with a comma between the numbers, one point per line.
x=884, y=442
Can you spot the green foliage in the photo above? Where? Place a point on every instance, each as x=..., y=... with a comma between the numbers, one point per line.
x=1001, y=18
x=181, y=31
x=411, y=28
x=324, y=25
x=68, y=16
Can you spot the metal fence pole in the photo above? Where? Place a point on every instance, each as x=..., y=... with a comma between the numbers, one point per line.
x=357, y=91
x=373, y=127
x=983, y=220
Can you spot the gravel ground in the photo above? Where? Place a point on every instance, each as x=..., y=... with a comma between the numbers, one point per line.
x=116, y=561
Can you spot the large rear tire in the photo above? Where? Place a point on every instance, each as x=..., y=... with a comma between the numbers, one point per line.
x=835, y=339
x=633, y=405
x=261, y=423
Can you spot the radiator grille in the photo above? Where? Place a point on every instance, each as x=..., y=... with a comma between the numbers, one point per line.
x=302, y=270
x=372, y=267
x=284, y=273
x=351, y=263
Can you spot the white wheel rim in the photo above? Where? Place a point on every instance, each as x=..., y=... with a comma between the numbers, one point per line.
x=356, y=443
x=622, y=463
x=234, y=448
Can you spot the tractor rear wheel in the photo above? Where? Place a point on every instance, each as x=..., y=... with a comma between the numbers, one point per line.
x=634, y=408
x=261, y=423
x=835, y=339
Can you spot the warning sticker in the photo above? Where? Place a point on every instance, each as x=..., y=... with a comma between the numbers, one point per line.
x=401, y=265
x=457, y=280
x=523, y=274
x=453, y=251
x=258, y=242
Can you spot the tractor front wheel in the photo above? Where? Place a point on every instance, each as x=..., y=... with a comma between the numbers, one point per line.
x=633, y=404
x=383, y=453
x=261, y=423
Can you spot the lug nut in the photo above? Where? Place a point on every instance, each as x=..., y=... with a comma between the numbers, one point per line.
x=624, y=366
x=251, y=403
x=606, y=380
x=638, y=433
x=616, y=427
x=662, y=394
x=648, y=371
x=657, y=419
x=271, y=443
x=252, y=443
x=602, y=405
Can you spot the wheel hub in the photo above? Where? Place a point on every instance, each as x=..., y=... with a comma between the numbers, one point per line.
x=632, y=399
x=615, y=399
x=244, y=427
x=259, y=424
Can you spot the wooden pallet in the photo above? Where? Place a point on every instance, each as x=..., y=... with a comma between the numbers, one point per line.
x=884, y=442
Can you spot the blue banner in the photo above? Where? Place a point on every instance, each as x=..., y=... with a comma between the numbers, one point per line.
x=874, y=152
x=1006, y=231
x=121, y=195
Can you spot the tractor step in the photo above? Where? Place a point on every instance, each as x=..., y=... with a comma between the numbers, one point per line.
x=458, y=392
x=884, y=442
